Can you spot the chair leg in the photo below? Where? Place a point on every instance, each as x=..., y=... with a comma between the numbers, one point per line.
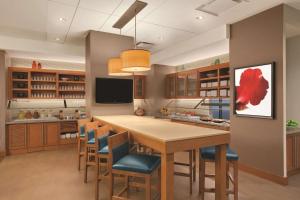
x=191, y=171
x=194, y=166
x=227, y=174
x=127, y=185
x=148, y=187
x=86, y=165
x=159, y=182
x=78, y=151
x=111, y=186
x=235, y=178
x=201, y=178
x=97, y=177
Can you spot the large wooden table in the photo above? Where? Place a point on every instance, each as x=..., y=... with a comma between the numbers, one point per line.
x=169, y=137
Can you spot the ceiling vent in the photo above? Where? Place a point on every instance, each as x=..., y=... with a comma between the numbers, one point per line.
x=144, y=45
x=216, y=7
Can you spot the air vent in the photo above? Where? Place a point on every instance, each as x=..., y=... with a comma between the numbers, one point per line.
x=216, y=7
x=144, y=45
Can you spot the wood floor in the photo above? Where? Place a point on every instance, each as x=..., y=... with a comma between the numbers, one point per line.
x=53, y=175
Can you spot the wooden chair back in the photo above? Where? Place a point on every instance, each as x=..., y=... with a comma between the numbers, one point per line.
x=82, y=122
x=114, y=142
x=99, y=132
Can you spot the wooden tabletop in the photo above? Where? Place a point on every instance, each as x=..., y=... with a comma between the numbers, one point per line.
x=159, y=129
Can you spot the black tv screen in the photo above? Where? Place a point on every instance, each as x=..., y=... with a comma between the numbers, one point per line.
x=112, y=90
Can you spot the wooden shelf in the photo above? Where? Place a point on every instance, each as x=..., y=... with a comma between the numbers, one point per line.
x=209, y=88
x=51, y=78
x=209, y=79
x=224, y=87
x=74, y=82
x=224, y=76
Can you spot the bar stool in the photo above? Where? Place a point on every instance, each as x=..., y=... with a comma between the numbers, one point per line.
x=191, y=166
x=81, y=138
x=90, y=146
x=208, y=155
x=101, y=142
x=124, y=163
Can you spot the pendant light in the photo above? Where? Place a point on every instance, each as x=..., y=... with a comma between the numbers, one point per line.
x=115, y=68
x=135, y=60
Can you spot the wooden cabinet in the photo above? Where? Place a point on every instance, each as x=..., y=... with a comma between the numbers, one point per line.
x=51, y=134
x=170, y=86
x=45, y=84
x=293, y=154
x=139, y=86
x=16, y=137
x=35, y=136
x=205, y=82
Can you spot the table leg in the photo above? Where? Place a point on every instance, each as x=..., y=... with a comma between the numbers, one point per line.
x=221, y=172
x=167, y=176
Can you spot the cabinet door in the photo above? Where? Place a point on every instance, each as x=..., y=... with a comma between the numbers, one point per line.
x=192, y=84
x=170, y=82
x=35, y=136
x=17, y=136
x=51, y=133
x=139, y=86
x=181, y=85
x=290, y=152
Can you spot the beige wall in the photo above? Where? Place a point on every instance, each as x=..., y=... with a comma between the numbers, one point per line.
x=2, y=100
x=256, y=40
x=292, y=78
x=100, y=47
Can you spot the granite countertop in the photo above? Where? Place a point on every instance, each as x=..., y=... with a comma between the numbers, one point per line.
x=290, y=131
x=40, y=120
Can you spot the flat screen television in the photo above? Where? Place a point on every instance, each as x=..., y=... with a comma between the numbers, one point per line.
x=112, y=90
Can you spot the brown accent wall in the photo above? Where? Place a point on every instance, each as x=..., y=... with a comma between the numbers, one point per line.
x=2, y=101
x=100, y=47
x=256, y=40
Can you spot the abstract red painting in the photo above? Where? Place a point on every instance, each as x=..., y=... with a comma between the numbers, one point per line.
x=254, y=91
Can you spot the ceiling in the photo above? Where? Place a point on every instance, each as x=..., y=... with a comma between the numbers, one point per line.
x=162, y=22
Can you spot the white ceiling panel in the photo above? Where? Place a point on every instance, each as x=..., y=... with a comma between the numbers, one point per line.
x=105, y=6
x=67, y=2
x=27, y=15
x=56, y=11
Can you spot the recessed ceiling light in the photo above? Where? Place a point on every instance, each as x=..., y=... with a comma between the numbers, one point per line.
x=57, y=39
x=61, y=19
x=199, y=17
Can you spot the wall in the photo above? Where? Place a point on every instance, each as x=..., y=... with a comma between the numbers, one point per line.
x=100, y=47
x=292, y=77
x=255, y=40
x=2, y=101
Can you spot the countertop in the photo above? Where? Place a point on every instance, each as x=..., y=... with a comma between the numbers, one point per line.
x=48, y=119
x=291, y=131
x=159, y=129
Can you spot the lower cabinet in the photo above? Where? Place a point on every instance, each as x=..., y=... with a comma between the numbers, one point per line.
x=293, y=154
x=17, y=141
x=35, y=136
x=51, y=134
x=23, y=138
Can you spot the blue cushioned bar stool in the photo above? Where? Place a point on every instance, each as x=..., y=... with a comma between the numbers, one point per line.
x=124, y=163
x=208, y=155
x=101, y=142
x=81, y=139
x=90, y=147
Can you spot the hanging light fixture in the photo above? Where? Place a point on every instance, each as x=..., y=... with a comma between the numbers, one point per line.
x=134, y=60
x=115, y=68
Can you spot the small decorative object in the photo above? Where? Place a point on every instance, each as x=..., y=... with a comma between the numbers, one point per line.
x=21, y=115
x=164, y=111
x=139, y=112
x=292, y=124
x=217, y=61
x=34, y=65
x=254, y=91
x=61, y=114
x=28, y=115
x=36, y=114
x=39, y=66
x=77, y=114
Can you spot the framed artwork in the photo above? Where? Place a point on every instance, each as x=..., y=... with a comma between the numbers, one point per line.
x=254, y=91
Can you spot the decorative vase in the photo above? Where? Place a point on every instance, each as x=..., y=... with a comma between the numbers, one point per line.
x=34, y=66
x=39, y=66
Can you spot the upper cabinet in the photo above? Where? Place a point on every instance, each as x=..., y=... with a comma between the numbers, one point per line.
x=45, y=84
x=204, y=82
x=139, y=86
x=170, y=86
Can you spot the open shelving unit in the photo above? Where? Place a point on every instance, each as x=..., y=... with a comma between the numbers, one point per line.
x=30, y=83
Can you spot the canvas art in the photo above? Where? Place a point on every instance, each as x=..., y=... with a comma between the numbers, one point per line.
x=254, y=91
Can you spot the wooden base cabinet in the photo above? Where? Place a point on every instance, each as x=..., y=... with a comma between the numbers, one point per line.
x=17, y=138
x=293, y=154
x=31, y=137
